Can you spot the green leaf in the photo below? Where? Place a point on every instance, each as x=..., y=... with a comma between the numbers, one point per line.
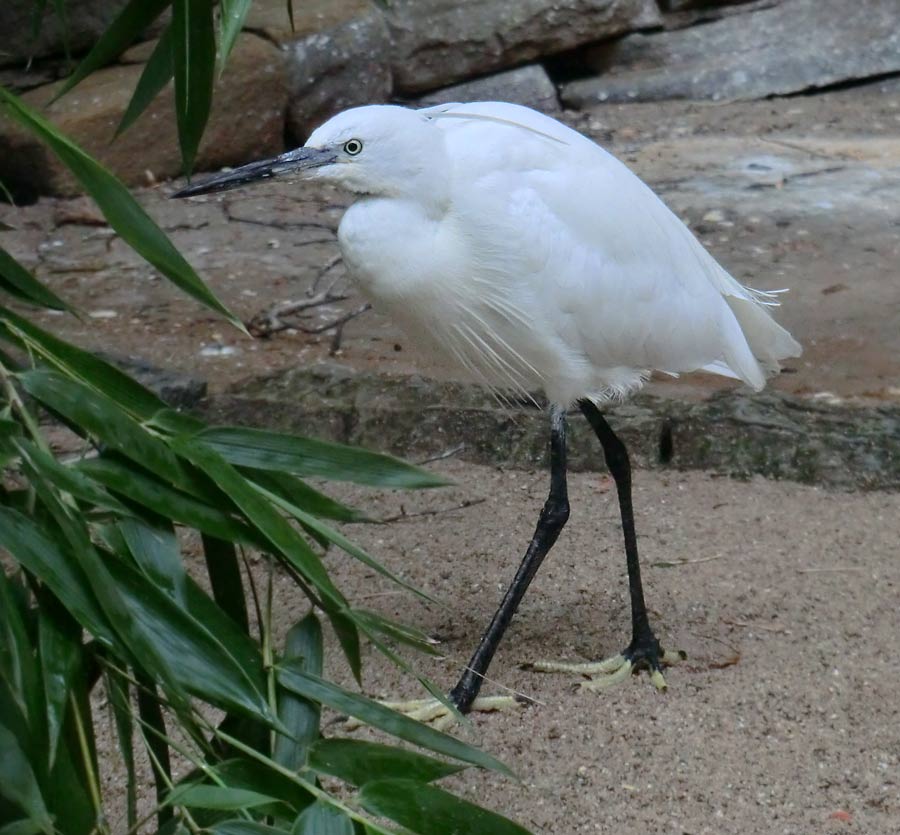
x=303, y=647
x=18, y=668
x=120, y=209
x=244, y=827
x=302, y=495
x=59, y=641
x=223, y=798
x=322, y=818
x=348, y=637
x=158, y=71
x=234, y=12
x=379, y=716
x=118, y=36
x=243, y=773
x=130, y=481
x=198, y=661
x=432, y=811
x=18, y=280
x=400, y=632
x=18, y=783
x=118, y=693
x=156, y=552
x=194, y=52
x=43, y=558
x=262, y=515
x=139, y=401
x=358, y=762
x=329, y=534
x=224, y=572
x=309, y=457
x=101, y=417
x=68, y=479
x=25, y=826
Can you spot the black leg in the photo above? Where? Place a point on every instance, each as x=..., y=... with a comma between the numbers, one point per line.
x=644, y=650
x=551, y=521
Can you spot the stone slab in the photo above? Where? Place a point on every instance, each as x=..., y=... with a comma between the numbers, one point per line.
x=439, y=42
x=793, y=46
x=529, y=85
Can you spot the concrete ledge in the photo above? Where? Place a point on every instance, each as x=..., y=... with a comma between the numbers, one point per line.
x=732, y=433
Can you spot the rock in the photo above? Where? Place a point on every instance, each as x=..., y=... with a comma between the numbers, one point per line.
x=685, y=5
x=338, y=56
x=793, y=46
x=529, y=85
x=83, y=24
x=438, y=42
x=247, y=122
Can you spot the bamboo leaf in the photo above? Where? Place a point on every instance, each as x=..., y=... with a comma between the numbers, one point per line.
x=197, y=660
x=309, y=457
x=262, y=515
x=400, y=632
x=120, y=209
x=156, y=552
x=118, y=36
x=59, y=642
x=432, y=811
x=101, y=417
x=358, y=762
x=239, y=826
x=302, y=647
x=325, y=532
x=322, y=818
x=43, y=558
x=17, y=278
x=131, y=482
x=379, y=716
x=69, y=479
x=224, y=572
x=118, y=692
x=234, y=12
x=223, y=798
x=299, y=493
x=18, y=783
x=90, y=370
x=194, y=58
x=260, y=777
x=348, y=637
x=158, y=72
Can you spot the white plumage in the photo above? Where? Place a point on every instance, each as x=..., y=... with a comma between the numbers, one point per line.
x=500, y=238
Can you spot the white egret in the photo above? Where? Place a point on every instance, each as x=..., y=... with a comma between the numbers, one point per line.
x=522, y=251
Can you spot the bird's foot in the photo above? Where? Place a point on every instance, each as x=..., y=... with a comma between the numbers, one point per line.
x=640, y=655
x=438, y=714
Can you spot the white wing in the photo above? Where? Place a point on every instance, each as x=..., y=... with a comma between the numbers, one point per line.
x=611, y=271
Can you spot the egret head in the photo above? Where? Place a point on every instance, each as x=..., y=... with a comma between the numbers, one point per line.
x=381, y=150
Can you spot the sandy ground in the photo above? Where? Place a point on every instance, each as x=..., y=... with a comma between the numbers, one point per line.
x=784, y=719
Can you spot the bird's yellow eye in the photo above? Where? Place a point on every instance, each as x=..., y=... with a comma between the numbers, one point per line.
x=352, y=147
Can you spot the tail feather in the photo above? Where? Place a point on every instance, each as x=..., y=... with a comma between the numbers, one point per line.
x=768, y=341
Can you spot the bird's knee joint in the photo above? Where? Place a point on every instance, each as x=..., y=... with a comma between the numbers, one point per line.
x=556, y=514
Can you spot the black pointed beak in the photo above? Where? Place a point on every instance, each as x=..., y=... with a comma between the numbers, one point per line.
x=291, y=162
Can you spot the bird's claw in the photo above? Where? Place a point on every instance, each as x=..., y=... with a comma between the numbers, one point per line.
x=438, y=714
x=604, y=674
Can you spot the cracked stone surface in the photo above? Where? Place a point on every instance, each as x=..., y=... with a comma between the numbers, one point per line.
x=788, y=47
